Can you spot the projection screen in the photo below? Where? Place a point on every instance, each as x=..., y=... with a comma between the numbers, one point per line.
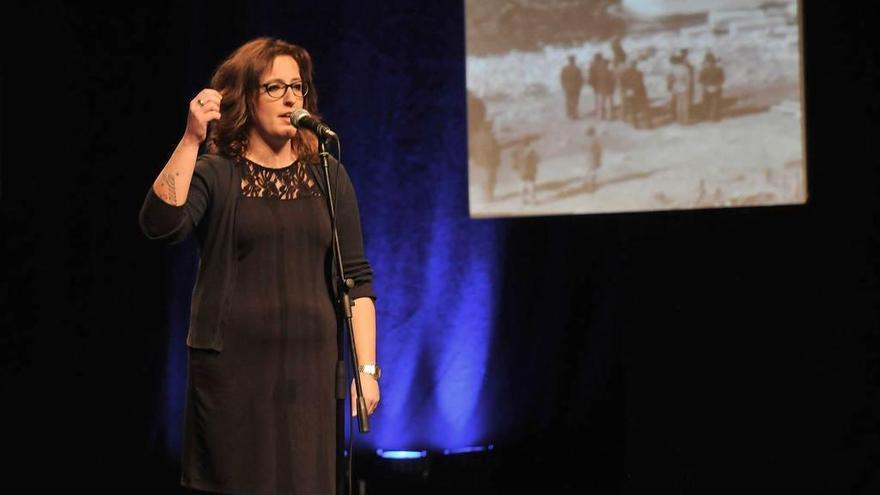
x=591, y=106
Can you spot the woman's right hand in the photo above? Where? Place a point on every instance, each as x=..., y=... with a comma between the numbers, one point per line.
x=204, y=108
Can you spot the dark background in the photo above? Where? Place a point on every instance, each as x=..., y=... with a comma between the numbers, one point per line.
x=688, y=352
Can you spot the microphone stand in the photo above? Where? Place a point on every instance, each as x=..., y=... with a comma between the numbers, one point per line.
x=344, y=285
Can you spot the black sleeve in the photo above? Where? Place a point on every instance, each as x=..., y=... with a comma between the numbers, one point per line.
x=351, y=239
x=162, y=221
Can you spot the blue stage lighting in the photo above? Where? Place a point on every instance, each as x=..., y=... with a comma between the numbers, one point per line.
x=468, y=450
x=401, y=454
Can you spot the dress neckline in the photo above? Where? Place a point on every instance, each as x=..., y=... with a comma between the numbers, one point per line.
x=291, y=182
x=269, y=168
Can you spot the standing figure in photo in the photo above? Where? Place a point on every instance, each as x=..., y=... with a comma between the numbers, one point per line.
x=691, y=79
x=525, y=162
x=594, y=159
x=670, y=87
x=593, y=81
x=678, y=82
x=712, y=82
x=572, y=81
x=635, y=97
x=618, y=67
x=604, y=87
x=484, y=152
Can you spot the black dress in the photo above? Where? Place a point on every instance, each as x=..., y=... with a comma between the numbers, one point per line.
x=260, y=415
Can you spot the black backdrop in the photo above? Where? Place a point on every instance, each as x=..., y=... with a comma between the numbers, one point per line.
x=695, y=352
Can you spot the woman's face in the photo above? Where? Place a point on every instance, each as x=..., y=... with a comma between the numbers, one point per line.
x=272, y=113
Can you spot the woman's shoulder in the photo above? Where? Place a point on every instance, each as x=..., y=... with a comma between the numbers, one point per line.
x=214, y=166
x=213, y=161
x=333, y=164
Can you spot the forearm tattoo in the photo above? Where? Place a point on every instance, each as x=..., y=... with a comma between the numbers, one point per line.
x=170, y=194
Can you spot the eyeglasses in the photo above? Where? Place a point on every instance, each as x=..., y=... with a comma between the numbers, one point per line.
x=279, y=89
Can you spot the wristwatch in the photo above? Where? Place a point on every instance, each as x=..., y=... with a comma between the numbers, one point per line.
x=371, y=369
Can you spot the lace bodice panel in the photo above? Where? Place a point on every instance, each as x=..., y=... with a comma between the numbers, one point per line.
x=291, y=182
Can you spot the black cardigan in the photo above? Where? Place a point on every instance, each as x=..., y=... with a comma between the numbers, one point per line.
x=210, y=210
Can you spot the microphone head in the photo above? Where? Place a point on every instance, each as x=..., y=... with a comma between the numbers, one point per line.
x=302, y=119
x=297, y=116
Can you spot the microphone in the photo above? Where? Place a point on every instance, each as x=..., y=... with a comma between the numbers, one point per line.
x=302, y=119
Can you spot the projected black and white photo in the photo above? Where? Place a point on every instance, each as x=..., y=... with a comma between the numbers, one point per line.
x=590, y=106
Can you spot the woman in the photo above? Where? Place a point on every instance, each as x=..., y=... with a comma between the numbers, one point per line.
x=260, y=410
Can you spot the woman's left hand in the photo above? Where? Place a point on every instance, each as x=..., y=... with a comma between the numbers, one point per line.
x=370, y=388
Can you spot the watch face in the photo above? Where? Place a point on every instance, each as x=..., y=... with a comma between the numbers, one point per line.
x=372, y=370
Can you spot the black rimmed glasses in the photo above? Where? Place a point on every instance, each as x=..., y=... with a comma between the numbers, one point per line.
x=278, y=89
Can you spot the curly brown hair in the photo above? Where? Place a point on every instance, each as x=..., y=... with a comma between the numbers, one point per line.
x=238, y=80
